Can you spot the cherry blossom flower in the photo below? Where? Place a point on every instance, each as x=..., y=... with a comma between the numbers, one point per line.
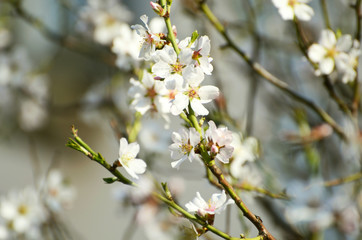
x=290, y=8
x=150, y=41
x=215, y=205
x=246, y=150
x=149, y=95
x=173, y=68
x=185, y=141
x=58, y=193
x=194, y=94
x=127, y=158
x=329, y=51
x=219, y=141
x=348, y=63
x=201, y=53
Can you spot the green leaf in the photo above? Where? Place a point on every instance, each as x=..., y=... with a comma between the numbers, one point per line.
x=110, y=180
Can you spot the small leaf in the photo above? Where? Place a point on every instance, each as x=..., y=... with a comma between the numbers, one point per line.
x=110, y=180
x=194, y=36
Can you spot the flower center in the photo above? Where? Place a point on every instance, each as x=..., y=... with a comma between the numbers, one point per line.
x=292, y=2
x=177, y=68
x=210, y=206
x=22, y=209
x=192, y=93
x=151, y=92
x=186, y=148
x=126, y=158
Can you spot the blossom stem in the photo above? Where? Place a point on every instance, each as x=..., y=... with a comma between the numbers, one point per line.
x=339, y=181
x=258, y=223
x=325, y=14
x=283, y=86
x=79, y=145
x=170, y=35
x=193, y=120
x=203, y=223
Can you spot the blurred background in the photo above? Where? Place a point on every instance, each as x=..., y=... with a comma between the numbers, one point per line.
x=58, y=69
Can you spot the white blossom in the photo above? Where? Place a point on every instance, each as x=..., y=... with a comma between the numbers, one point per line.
x=127, y=158
x=219, y=141
x=290, y=8
x=215, y=205
x=329, y=51
x=149, y=40
x=183, y=147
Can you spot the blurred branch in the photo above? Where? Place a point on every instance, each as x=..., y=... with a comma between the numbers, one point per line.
x=267, y=75
x=356, y=95
x=325, y=14
x=63, y=41
x=339, y=181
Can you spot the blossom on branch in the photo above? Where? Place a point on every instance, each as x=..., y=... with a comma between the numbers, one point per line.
x=127, y=158
x=215, y=205
x=290, y=8
x=185, y=141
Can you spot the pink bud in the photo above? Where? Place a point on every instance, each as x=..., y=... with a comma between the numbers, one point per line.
x=157, y=8
x=214, y=149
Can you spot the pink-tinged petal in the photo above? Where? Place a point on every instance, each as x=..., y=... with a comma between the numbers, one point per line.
x=316, y=52
x=303, y=12
x=328, y=39
x=287, y=13
x=198, y=108
x=123, y=144
x=208, y=93
x=161, y=69
x=326, y=65
x=180, y=102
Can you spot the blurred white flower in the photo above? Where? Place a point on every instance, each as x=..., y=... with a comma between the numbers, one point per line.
x=215, y=205
x=58, y=193
x=32, y=115
x=246, y=150
x=219, y=141
x=183, y=146
x=330, y=52
x=290, y=8
x=154, y=137
x=126, y=46
x=127, y=158
x=22, y=212
x=5, y=38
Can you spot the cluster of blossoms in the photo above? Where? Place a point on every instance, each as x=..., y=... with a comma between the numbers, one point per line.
x=174, y=80
x=288, y=9
x=335, y=53
x=24, y=214
x=23, y=90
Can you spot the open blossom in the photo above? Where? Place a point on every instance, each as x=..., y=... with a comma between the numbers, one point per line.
x=201, y=53
x=195, y=95
x=290, y=8
x=219, y=141
x=127, y=158
x=330, y=51
x=215, y=205
x=150, y=41
x=173, y=67
x=149, y=95
x=183, y=147
x=348, y=63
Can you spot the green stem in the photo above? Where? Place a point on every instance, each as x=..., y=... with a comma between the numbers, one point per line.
x=268, y=76
x=325, y=14
x=170, y=35
x=197, y=220
x=193, y=120
x=351, y=178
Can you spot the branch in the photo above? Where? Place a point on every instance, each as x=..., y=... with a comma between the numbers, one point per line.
x=268, y=76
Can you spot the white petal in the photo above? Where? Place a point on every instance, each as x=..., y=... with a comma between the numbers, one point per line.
x=142, y=105
x=148, y=80
x=180, y=102
x=194, y=137
x=193, y=75
x=122, y=146
x=138, y=166
x=198, y=108
x=133, y=149
x=344, y=43
x=316, y=52
x=185, y=56
x=326, y=65
x=208, y=93
x=161, y=69
x=328, y=39
x=303, y=12
x=287, y=12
